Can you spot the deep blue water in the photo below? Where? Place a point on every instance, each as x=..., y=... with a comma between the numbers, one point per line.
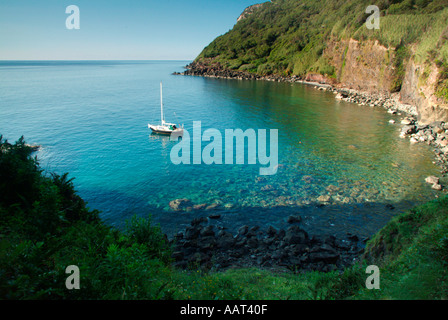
x=91, y=119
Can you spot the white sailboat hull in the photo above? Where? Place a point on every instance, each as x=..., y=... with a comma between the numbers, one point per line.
x=165, y=127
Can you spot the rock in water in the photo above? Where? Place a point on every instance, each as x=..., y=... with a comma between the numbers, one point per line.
x=213, y=206
x=406, y=122
x=179, y=204
x=199, y=206
x=436, y=186
x=408, y=129
x=324, y=198
x=432, y=180
x=294, y=219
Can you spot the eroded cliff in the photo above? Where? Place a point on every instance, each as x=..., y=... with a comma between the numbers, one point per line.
x=328, y=42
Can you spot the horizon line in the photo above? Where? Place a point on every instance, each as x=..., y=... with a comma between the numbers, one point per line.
x=96, y=59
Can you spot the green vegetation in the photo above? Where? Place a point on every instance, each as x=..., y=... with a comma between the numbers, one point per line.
x=45, y=227
x=413, y=247
x=442, y=84
x=399, y=62
x=289, y=37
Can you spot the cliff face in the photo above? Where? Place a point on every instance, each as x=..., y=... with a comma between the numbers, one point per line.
x=419, y=90
x=327, y=41
x=369, y=67
x=364, y=66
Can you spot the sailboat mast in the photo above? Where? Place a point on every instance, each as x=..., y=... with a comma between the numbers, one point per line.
x=161, y=104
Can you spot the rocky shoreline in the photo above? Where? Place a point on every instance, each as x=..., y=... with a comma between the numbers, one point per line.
x=434, y=134
x=203, y=246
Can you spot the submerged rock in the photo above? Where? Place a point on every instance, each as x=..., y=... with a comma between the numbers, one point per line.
x=180, y=204
x=214, y=216
x=324, y=198
x=199, y=206
x=213, y=206
x=267, y=187
x=294, y=219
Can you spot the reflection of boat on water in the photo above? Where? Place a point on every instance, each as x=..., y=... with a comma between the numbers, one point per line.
x=162, y=140
x=165, y=127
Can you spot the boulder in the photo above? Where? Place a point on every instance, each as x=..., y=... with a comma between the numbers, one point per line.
x=225, y=240
x=271, y=231
x=213, y=206
x=206, y=243
x=295, y=235
x=432, y=180
x=192, y=233
x=294, y=219
x=408, y=129
x=207, y=232
x=324, y=198
x=436, y=186
x=406, y=122
x=252, y=242
x=199, y=206
x=180, y=204
x=242, y=231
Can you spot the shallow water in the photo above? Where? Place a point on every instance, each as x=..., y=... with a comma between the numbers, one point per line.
x=91, y=119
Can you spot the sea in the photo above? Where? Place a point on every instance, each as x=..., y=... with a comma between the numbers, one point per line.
x=342, y=168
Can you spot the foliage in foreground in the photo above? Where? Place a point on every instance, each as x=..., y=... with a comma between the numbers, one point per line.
x=45, y=227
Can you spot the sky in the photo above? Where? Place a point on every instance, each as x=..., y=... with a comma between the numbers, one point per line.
x=114, y=29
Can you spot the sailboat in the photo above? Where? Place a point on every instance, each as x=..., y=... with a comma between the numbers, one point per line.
x=165, y=127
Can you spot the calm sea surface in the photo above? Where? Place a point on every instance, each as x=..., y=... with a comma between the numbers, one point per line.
x=91, y=119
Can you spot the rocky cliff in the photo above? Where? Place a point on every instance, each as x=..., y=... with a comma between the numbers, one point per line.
x=368, y=66
x=420, y=90
x=328, y=42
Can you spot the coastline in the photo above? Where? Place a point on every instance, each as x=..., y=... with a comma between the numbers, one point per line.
x=434, y=134
x=200, y=244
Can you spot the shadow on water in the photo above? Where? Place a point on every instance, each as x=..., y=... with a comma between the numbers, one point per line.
x=361, y=219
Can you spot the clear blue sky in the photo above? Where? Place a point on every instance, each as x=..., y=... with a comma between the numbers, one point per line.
x=114, y=29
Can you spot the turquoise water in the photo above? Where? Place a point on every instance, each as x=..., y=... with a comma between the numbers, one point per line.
x=91, y=119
